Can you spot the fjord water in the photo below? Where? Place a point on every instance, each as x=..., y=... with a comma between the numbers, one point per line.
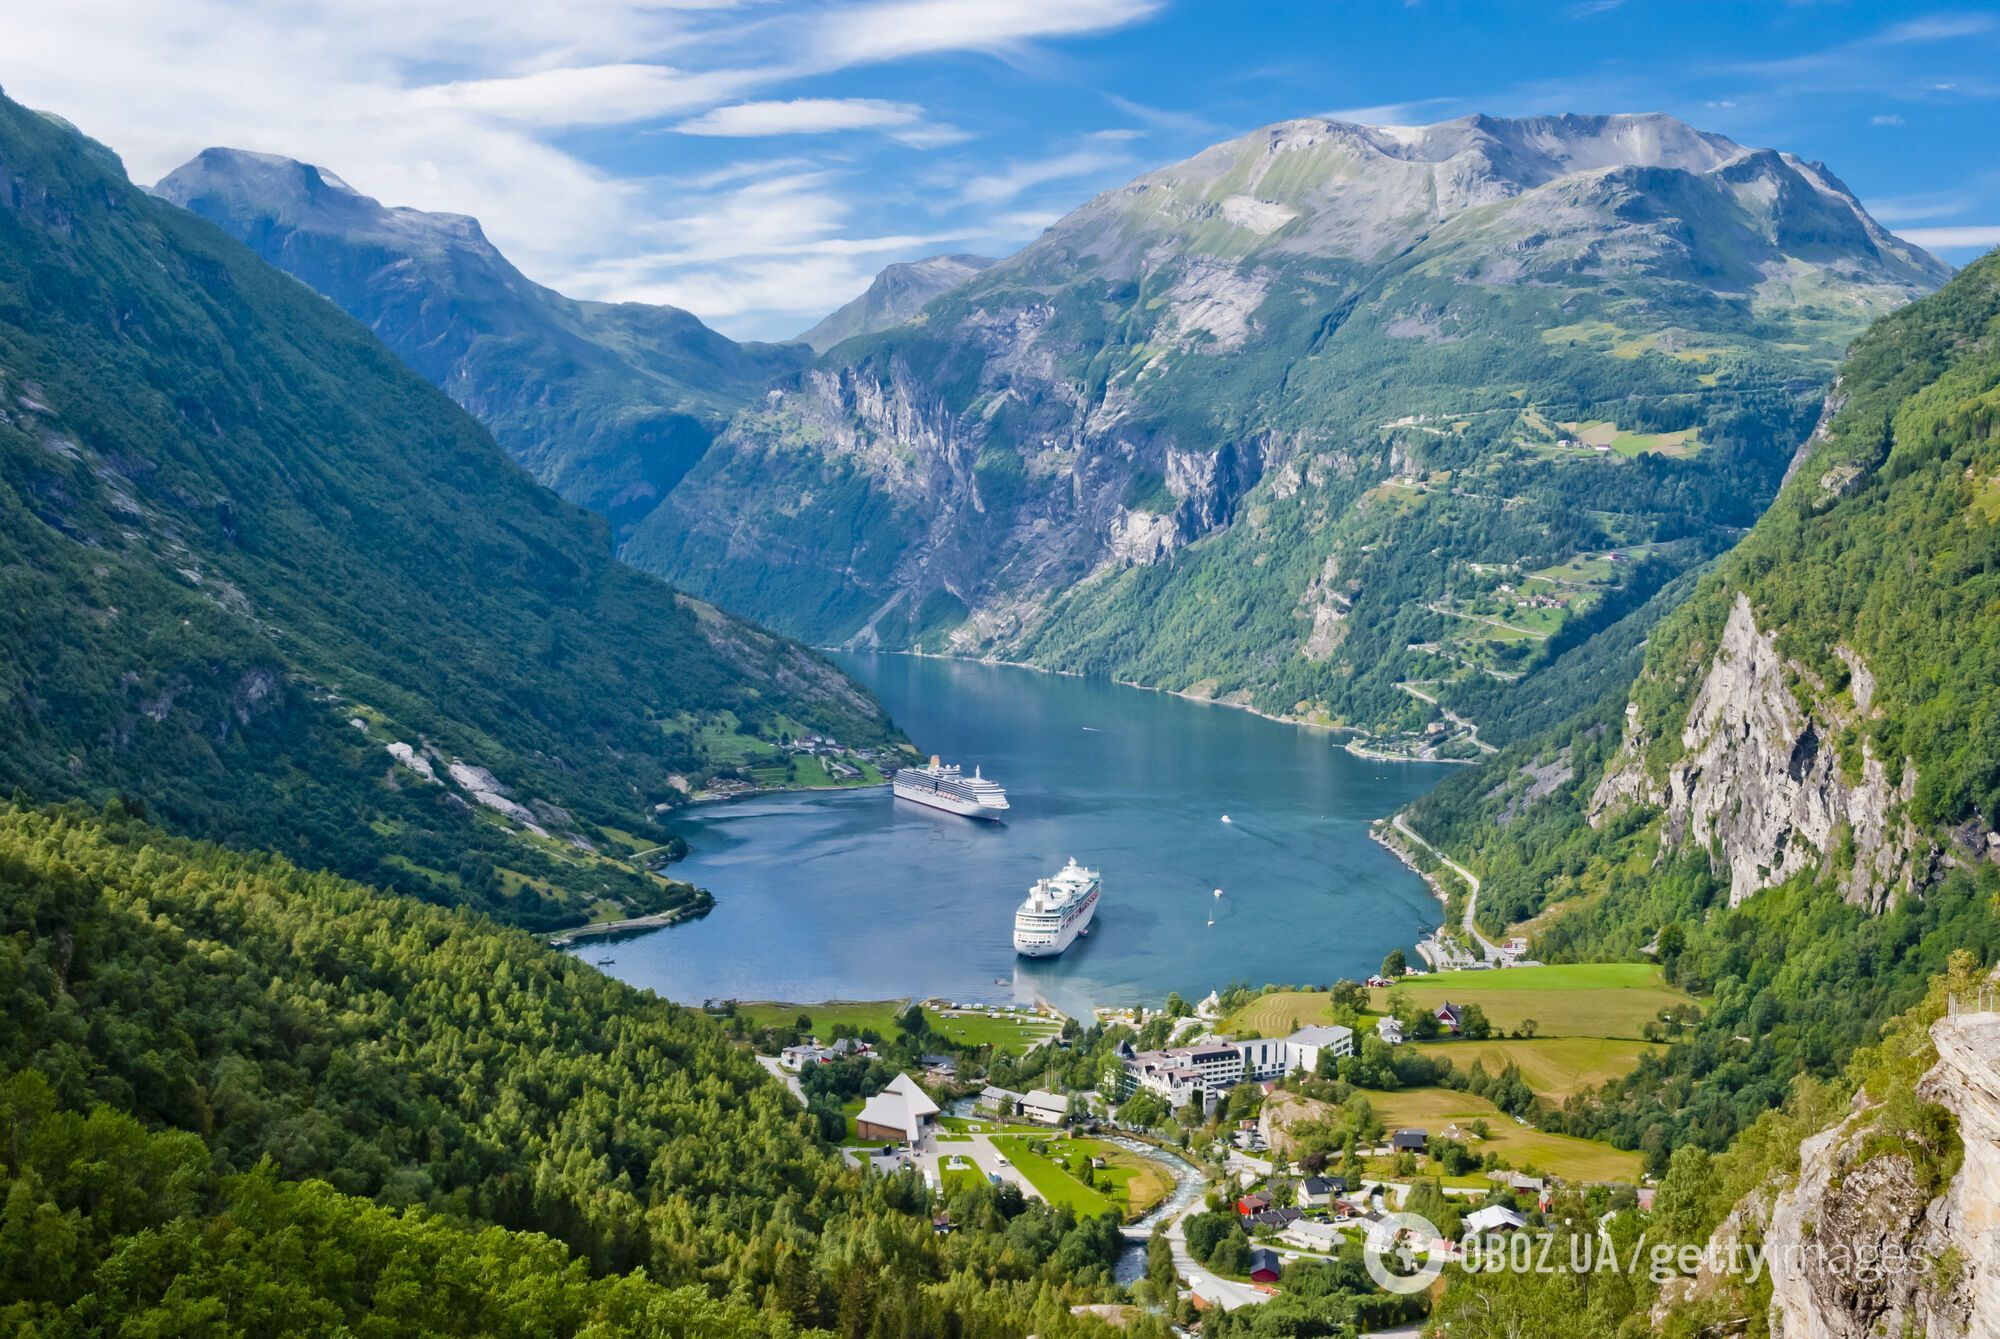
x=855, y=895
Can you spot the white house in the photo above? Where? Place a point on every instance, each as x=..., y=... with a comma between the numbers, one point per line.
x=798, y=1057
x=900, y=1111
x=1390, y=1029
x=1044, y=1107
x=1493, y=1218
x=1313, y=1235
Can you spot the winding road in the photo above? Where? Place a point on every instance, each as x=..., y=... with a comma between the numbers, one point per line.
x=1491, y=949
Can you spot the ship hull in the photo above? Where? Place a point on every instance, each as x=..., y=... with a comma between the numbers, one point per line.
x=1076, y=928
x=951, y=804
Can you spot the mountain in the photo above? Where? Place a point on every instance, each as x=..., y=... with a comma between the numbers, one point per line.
x=607, y=403
x=1328, y=420
x=897, y=295
x=1795, y=806
x=269, y=585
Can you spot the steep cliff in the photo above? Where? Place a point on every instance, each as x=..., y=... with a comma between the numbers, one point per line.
x=1506, y=377
x=1880, y=1235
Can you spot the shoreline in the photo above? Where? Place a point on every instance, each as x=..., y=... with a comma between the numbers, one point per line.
x=652, y=920
x=1296, y=722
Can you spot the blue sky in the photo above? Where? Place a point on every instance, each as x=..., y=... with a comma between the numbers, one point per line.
x=757, y=162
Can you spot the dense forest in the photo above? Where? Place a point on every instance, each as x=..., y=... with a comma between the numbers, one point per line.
x=244, y=551
x=235, y=1095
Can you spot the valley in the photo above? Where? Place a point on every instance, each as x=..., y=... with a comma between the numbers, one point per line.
x=1506, y=605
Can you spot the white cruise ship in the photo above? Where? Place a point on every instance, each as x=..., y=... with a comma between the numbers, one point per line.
x=946, y=787
x=1057, y=911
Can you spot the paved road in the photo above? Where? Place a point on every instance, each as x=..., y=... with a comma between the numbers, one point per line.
x=1209, y=1286
x=1491, y=949
x=979, y=1148
x=784, y=1076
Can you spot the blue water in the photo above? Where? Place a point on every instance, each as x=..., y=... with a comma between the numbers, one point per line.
x=855, y=895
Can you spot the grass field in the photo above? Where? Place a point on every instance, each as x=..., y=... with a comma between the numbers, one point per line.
x=862, y=1015
x=1433, y=1109
x=1554, y=1067
x=1128, y=1185
x=1010, y=1032
x=1279, y=1014
x=1608, y=999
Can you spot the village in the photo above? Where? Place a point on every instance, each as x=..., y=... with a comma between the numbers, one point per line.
x=1251, y=1132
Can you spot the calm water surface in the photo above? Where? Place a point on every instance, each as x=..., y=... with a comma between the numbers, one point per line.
x=855, y=895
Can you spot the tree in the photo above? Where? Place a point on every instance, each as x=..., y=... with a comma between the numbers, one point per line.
x=1395, y=964
x=1473, y=1023
x=1178, y=1007
x=912, y=1022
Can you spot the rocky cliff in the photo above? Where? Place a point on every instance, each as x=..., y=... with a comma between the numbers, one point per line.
x=1759, y=782
x=1863, y=1245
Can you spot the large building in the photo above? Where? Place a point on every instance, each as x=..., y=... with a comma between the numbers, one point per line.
x=1182, y=1074
x=901, y=1111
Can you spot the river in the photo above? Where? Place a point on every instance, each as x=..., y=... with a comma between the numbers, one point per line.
x=854, y=895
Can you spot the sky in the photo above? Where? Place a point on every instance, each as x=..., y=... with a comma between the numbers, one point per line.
x=758, y=161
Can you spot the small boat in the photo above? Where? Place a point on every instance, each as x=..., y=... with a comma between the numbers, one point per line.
x=1225, y=818
x=1218, y=892
x=1211, y=920
x=605, y=962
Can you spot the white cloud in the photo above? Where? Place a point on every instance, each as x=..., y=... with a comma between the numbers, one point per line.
x=1388, y=113
x=1913, y=208
x=585, y=95
x=1887, y=119
x=902, y=121
x=1937, y=28
x=889, y=29
x=999, y=187
x=1980, y=235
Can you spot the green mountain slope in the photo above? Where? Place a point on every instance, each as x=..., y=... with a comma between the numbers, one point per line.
x=607, y=403
x=1322, y=411
x=1795, y=807
x=240, y=1098
x=249, y=559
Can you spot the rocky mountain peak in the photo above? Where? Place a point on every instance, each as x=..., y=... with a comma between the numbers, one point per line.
x=286, y=193
x=898, y=293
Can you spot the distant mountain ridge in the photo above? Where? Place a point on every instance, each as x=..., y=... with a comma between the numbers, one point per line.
x=607, y=403
x=1274, y=424
x=898, y=293
x=266, y=584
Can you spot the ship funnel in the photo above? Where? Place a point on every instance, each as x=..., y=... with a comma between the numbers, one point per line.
x=934, y=760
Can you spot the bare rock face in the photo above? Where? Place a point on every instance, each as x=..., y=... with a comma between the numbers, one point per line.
x=1761, y=783
x=1858, y=1247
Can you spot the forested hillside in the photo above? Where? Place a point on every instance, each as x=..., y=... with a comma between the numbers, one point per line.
x=1796, y=809
x=264, y=579
x=607, y=403
x=1323, y=415
x=238, y=1097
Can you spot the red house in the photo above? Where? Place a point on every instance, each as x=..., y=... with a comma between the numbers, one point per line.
x=1263, y=1265
x=1253, y=1204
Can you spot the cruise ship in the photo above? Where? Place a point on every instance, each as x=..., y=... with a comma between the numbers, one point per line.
x=946, y=787
x=1057, y=911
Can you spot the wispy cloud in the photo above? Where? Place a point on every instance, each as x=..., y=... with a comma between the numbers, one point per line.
x=1953, y=238
x=1912, y=208
x=584, y=95
x=1885, y=119
x=901, y=121
x=1390, y=113
x=999, y=187
x=891, y=28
